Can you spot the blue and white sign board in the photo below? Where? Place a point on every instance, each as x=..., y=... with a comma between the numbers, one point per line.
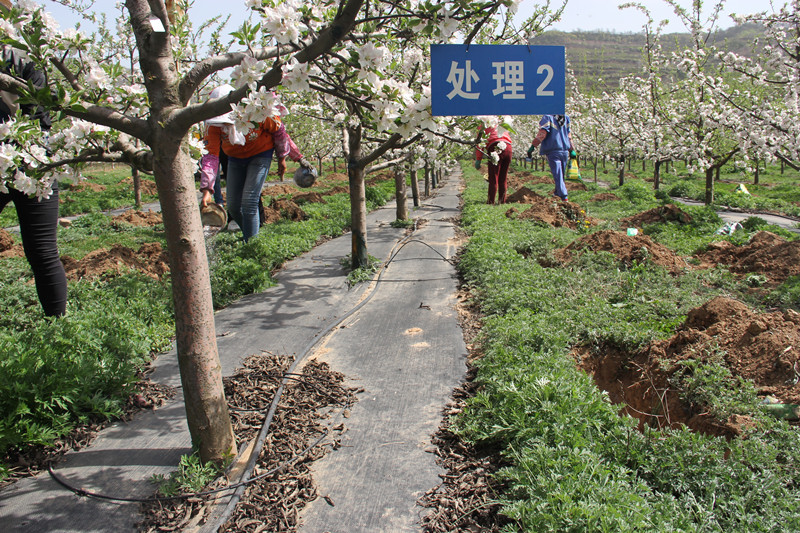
x=497, y=79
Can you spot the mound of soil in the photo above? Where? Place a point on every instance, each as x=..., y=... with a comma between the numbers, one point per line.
x=766, y=253
x=337, y=190
x=310, y=197
x=552, y=211
x=763, y=348
x=660, y=214
x=281, y=208
x=575, y=185
x=519, y=179
x=627, y=249
x=86, y=185
x=604, y=197
x=150, y=259
x=523, y=195
x=146, y=187
x=278, y=190
x=138, y=218
x=8, y=248
x=336, y=176
x=377, y=178
x=6, y=240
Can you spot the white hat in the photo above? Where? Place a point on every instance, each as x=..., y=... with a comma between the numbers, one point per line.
x=219, y=92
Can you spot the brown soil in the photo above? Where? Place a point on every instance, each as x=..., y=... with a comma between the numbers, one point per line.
x=86, y=185
x=272, y=503
x=377, y=178
x=150, y=259
x=310, y=197
x=552, y=211
x=660, y=214
x=337, y=190
x=759, y=347
x=522, y=195
x=138, y=218
x=336, y=176
x=281, y=208
x=146, y=187
x=519, y=179
x=278, y=190
x=575, y=186
x=627, y=249
x=8, y=248
x=766, y=253
x=604, y=197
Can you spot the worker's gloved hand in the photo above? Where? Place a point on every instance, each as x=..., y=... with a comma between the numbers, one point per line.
x=477, y=164
x=573, y=154
x=304, y=163
x=530, y=151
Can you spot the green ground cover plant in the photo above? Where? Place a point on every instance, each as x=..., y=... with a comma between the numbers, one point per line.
x=775, y=192
x=573, y=463
x=55, y=374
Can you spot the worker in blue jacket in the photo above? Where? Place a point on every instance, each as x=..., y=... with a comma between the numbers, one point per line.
x=556, y=144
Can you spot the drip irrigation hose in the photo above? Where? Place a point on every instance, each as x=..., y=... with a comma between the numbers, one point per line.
x=87, y=493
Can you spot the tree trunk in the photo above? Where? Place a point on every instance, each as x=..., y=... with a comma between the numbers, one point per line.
x=622, y=172
x=709, y=185
x=656, y=175
x=401, y=192
x=756, y=175
x=414, y=185
x=195, y=335
x=595, y=169
x=427, y=179
x=319, y=165
x=358, y=200
x=137, y=188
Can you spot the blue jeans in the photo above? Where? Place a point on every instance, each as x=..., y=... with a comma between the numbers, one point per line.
x=245, y=180
x=558, y=168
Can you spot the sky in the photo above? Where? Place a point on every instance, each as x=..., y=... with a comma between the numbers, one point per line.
x=585, y=15
x=588, y=15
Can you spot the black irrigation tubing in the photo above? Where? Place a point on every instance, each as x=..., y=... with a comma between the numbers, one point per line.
x=87, y=493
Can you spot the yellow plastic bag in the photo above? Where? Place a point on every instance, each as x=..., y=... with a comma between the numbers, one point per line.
x=573, y=172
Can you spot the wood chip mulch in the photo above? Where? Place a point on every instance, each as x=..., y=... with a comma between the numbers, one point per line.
x=466, y=500
x=273, y=503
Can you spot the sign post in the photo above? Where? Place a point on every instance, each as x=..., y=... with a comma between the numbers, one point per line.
x=497, y=80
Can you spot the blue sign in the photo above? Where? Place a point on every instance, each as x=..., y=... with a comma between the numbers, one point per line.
x=497, y=79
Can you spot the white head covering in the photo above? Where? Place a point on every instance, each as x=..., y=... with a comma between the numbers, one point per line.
x=225, y=121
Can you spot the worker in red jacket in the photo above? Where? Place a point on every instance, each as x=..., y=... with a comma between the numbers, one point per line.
x=498, y=150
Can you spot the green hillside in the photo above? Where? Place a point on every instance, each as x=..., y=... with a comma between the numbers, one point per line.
x=599, y=59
